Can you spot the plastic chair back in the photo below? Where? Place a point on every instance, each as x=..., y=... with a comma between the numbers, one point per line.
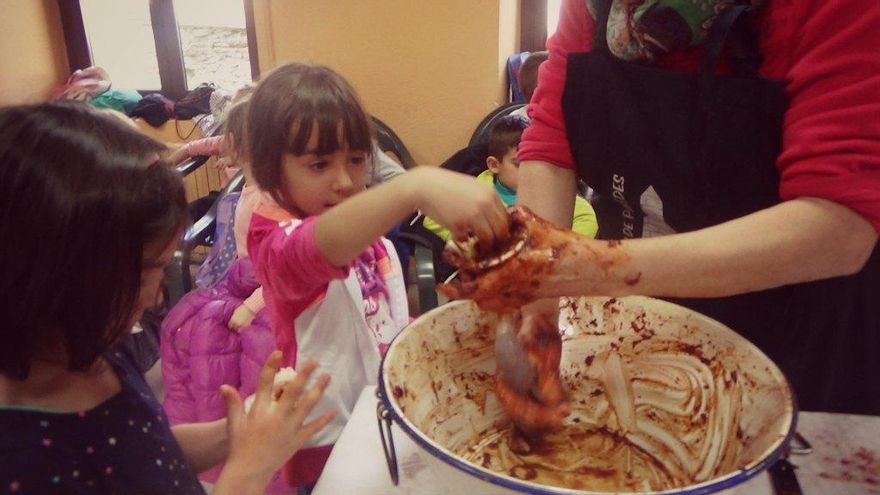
x=389, y=142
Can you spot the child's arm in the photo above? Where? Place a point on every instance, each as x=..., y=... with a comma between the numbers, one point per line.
x=208, y=146
x=244, y=314
x=179, y=154
x=287, y=260
x=455, y=200
x=255, y=302
x=204, y=445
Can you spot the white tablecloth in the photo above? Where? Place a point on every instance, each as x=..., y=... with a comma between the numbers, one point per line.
x=845, y=458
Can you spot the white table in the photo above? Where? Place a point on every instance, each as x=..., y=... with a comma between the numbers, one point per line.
x=845, y=458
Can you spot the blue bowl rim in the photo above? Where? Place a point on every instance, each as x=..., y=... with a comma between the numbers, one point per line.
x=728, y=481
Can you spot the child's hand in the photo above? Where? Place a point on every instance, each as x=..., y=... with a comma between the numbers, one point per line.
x=222, y=162
x=241, y=317
x=272, y=431
x=178, y=155
x=463, y=205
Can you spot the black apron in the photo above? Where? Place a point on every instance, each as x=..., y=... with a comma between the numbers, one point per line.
x=704, y=147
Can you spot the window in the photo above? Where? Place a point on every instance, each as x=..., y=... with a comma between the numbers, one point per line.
x=213, y=39
x=552, y=15
x=163, y=45
x=120, y=38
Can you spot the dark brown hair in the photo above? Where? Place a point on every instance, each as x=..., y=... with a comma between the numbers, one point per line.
x=528, y=73
x=78, y=206
x=288, y=105
x=505, y=134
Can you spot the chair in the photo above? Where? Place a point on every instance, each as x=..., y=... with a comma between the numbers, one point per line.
x=423, y=249
x=178, y=276
x=190, y=165
x=514, y=64
x=481, y=133
x=390, y=142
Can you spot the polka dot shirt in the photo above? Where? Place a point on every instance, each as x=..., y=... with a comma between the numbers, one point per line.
x=124, y=446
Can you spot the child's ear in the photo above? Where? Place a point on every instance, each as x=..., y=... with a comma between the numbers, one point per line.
x=493, y=164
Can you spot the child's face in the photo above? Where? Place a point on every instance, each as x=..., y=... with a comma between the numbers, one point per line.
x=157, y=256
x=315, y=183
x=507, y=170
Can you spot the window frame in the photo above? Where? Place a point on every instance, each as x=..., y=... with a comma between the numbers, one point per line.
x=532, y=25
x=169, y=54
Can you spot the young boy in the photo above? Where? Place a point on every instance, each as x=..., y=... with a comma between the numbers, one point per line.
x=503, y=174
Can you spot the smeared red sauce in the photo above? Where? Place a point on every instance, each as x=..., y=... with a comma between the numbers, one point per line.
x=633, y=279
x=861, y=466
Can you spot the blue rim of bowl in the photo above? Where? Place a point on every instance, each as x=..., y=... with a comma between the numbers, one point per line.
x=730, y=480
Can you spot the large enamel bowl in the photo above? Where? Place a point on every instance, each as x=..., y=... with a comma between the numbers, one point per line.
x=436, y=384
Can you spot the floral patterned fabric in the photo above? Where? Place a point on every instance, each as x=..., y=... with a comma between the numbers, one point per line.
x=643, y=30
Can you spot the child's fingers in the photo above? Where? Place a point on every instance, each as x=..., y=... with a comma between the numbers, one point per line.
x=267, y=377
x=502, y=221
x=310, y=398
x=289, y=392
x=496, y=222
x=309, y=429
x=483, y=230
x=234, y=409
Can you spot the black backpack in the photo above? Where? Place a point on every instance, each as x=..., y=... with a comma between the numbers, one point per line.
x=153, y=108
x=195, y=102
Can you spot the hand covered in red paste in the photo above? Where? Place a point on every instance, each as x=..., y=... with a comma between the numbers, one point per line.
x=526, y=265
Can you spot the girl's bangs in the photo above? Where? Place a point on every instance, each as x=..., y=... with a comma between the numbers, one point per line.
x=341, y=126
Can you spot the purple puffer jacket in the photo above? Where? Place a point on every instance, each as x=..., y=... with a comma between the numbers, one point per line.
x=200, y=353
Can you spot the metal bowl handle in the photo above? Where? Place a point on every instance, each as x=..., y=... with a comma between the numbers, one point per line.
x=799, y=445
x=383, y=417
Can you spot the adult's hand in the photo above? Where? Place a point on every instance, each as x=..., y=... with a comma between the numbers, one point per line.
x=545, y=266
x=795, y=241
x=544, y=406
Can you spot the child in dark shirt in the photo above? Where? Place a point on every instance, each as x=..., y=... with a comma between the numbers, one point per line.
x=88, y=219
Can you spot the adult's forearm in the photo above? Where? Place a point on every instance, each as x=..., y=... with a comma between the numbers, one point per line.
x=796, y=241
x=203, y=444
x=548, y=191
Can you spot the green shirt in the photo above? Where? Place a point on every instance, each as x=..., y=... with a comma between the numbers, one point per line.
x=583, y=222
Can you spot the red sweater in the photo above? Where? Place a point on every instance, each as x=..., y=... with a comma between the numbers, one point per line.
x=828, y=55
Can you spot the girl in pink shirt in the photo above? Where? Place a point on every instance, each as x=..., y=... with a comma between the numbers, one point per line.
x=332, y=283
